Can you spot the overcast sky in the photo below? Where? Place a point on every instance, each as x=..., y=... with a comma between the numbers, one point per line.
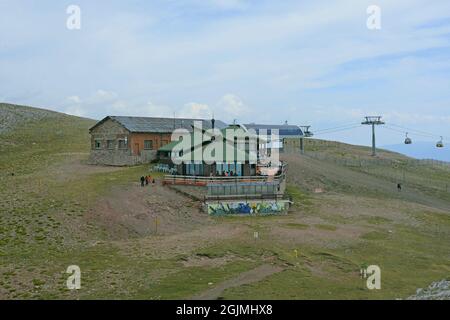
x=308, y=62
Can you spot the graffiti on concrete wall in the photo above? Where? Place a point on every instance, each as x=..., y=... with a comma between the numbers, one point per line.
x=271, y=207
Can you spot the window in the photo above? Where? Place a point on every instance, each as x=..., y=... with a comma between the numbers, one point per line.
x=148, y=144
x=164, y=142
x=97, y=144
x=110, y=144
x=122, y=144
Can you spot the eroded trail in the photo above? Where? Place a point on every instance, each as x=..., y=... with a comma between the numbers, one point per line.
x=254, y=275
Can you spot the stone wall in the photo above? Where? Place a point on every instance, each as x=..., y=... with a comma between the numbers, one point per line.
x=115, y=156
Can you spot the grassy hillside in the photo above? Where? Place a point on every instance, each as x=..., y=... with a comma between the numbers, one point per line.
x=57, y=211
x=31, y=138
x=350, y=169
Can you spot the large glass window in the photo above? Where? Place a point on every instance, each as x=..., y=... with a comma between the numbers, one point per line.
x=219, y=168
x=198, y=169
x=191, y=169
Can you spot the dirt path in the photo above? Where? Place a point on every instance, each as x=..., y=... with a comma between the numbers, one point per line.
x=247, y=277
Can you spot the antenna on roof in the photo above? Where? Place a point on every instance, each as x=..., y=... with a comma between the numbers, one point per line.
x=174, y=121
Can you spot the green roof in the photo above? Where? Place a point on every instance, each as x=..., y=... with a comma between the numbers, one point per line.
x=169, y=147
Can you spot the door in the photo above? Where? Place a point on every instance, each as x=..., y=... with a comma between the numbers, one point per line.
x=137, y=152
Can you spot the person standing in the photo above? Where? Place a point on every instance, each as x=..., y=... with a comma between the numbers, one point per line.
x=142, y=181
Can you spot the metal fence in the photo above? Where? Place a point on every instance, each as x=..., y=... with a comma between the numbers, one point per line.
x=393, y=170
x=364, y=162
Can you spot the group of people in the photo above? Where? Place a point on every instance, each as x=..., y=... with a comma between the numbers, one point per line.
x=146, y=180
x=226, y=174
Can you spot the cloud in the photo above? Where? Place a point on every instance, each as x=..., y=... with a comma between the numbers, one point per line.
x=157, y=110
x=196, y=110
x=232, y=106
x=416, y=119
x=296, y=60
x=76, y=110
x=101, y=96
x=74, y=99
x=228, y=107
x=227, y=4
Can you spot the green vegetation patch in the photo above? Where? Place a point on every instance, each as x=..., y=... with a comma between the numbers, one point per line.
x=375, y=235
x=378, y=220
x=292, y=225
x=327, y=227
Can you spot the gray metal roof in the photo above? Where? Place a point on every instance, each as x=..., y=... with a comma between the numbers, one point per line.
x=159, y=125
x=286, y=130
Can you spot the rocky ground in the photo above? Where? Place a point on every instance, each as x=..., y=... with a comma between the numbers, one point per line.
x=439, y=290
x=12, y=116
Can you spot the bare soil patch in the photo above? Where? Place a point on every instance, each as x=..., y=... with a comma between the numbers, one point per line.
x=252, y=276
x=149, y=210
x=74, y=166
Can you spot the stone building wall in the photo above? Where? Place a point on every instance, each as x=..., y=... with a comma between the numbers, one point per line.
x=112, y=154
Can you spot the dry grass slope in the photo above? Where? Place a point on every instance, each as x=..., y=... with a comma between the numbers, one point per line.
x=56, y=211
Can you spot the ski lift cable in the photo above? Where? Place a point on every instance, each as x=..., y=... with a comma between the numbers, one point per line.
x=403, y=132
x=394, y=129
x=420, y=133
x=339, y=127
x=412, y=132
x=338, y=130
x=415, y=131
x=439, y=144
